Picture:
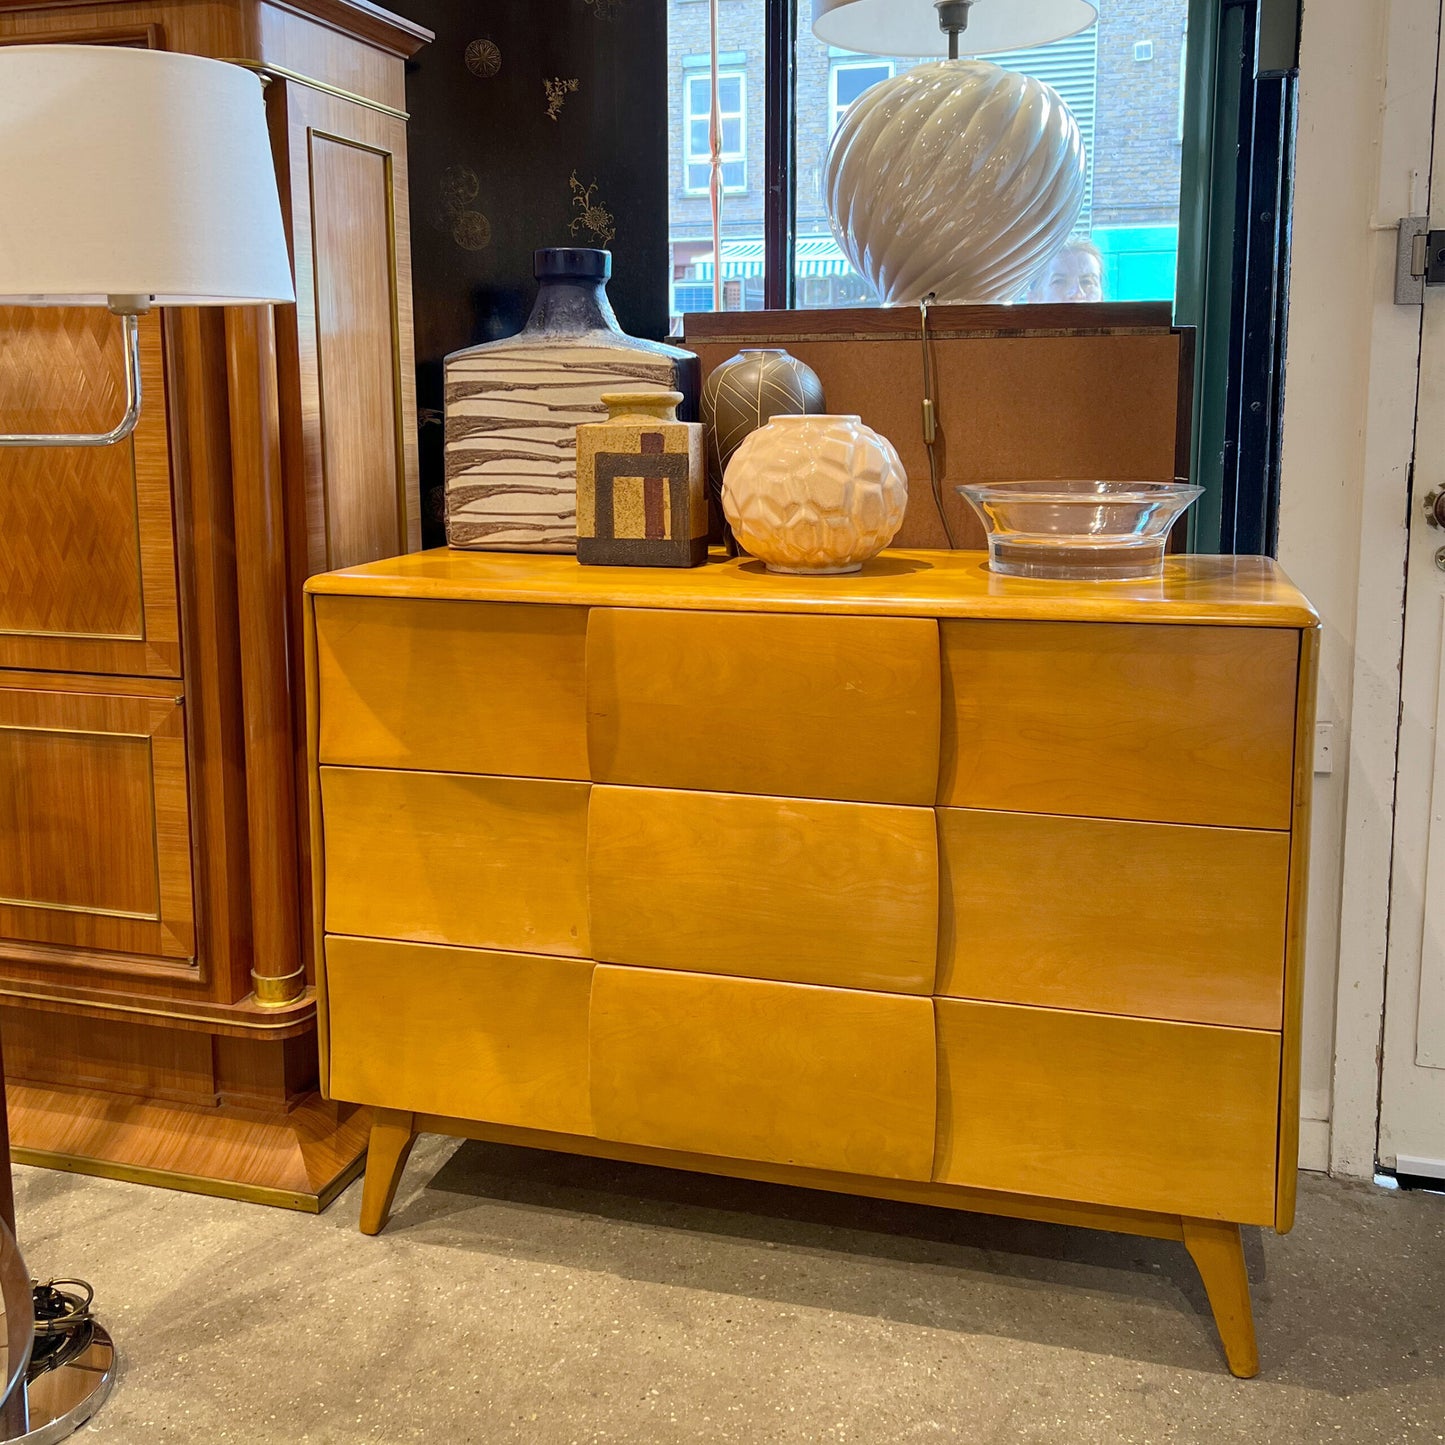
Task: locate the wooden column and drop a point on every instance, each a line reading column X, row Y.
column 278, row 974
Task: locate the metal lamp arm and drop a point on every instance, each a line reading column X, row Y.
column 130, row 313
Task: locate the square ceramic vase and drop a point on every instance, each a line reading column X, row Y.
column 641, row 485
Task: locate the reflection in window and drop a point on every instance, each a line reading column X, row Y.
column 849, row 79
column 732, row 90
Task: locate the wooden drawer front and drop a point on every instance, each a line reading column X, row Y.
column 1151, row 919
column 1133, row 1112
column 95, row 836
column 500, row 1037
column 452, row 686
column 807, row 892
column 810, row 707
column 1118, row 720
column 743, row 1069
column 444, row 858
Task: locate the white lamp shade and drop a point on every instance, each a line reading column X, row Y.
column 127, row 172
column 910, row 27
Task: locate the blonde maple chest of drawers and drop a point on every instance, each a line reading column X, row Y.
column 920, row 883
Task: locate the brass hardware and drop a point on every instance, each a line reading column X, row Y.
column 267, row 71
column 277, row 992
column 1435, row 508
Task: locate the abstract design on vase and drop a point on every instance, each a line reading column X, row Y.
column 815, row 494
column 484, row 58
column 592, row 217
column 511, row 428
column 641, row 492
column 557, row 90
column 746, row 392
column 604, row 9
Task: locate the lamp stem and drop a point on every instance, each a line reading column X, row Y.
column 952, row 18
column 130, row 324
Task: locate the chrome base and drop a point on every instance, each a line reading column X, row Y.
column 56, row 1404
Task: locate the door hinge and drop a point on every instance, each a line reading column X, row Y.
column 1419, row 260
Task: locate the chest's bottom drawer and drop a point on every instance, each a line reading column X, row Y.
column 1174, row 1117
column 749, row 1069
column 500, row 1037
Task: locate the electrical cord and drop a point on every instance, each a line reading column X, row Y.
column 64, row 1326
column 930, row 419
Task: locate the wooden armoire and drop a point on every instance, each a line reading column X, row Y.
column 156, row 990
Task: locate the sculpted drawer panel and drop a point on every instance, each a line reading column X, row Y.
column 829, row 1078
column 1156, row 920
column 801, row 706
column 1118, row 720
column 444, row 858
column 452, row 686
column 494, row 1036
column 1134, row 1112
column 807, row 892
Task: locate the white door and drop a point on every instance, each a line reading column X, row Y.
column 1412, row 1088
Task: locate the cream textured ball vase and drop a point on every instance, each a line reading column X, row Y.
column 958, row 178
column 815, row 494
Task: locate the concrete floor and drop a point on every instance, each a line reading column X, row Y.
column 526, row 1297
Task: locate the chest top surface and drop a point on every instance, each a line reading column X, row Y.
column 1209, row 590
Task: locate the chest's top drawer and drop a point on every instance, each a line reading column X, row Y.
column 810, row 707
column 456, row 687
column 1121, row 720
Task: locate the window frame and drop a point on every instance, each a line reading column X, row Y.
column 689, row 117
column 839, row 63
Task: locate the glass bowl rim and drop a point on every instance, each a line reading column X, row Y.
column 1060, row 490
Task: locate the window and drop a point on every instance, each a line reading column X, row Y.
column 849, row 79
column 732, row 92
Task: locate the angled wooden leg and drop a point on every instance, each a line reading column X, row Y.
column 1218, row 1252
column 392, row 1136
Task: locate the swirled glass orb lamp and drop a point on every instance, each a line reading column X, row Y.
column 957, row 179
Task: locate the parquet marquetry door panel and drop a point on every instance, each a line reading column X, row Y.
column 87, row 552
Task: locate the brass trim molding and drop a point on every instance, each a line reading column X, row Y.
column 193, row 1183
column 18, row 996
column 268, row 71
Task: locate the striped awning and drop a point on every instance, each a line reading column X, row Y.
column 815, row 256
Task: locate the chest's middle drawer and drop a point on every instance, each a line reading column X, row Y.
column 497, row 863
column 844, row 894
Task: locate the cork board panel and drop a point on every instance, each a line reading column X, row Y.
column 1010, row 407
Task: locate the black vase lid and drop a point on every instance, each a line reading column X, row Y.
column 572, row 263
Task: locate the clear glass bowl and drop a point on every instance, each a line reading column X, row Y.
column 1080, row 531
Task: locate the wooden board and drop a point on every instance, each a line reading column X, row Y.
column 1158, row 1116
column 827, row 1078
column 1162, row 724
column 839, row 707
column 450, row 687
column 1150, row 919
column 446, row 858
column 807, row 892
column 496, row 1036
column 1228, row 591
column 1022, row 391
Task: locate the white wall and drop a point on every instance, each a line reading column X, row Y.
column 1367, row 89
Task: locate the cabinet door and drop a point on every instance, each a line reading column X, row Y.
column 95, row 844
column 87, row 558
column 348, row 390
